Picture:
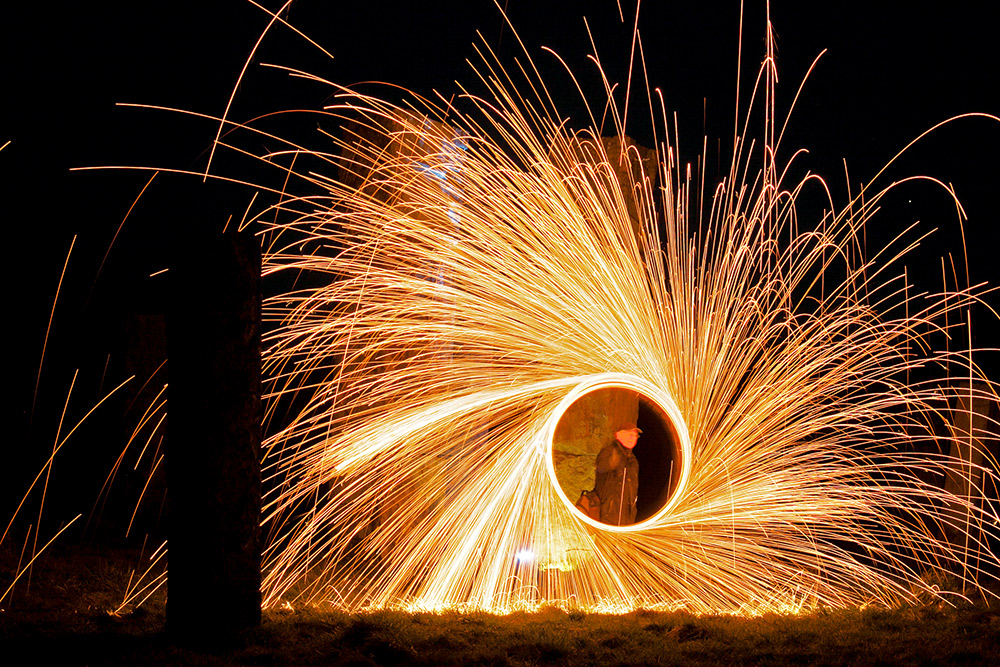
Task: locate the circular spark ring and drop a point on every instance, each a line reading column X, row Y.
column 468, row 275
column 661, row 399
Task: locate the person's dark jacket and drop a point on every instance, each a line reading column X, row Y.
column 616, row 481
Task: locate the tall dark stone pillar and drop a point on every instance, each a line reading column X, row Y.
column 974, row 412
column 213, row 462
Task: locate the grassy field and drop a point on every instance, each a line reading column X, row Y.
column 64, row 619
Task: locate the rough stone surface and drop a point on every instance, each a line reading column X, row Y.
column 585, row 428
column 972, row 441
column 640, row 161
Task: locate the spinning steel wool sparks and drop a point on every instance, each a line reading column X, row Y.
column 477, row 267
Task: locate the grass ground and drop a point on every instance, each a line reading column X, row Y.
column 64, row 619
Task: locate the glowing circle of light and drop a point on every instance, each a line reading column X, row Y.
column 662, row 400
column 452, row 277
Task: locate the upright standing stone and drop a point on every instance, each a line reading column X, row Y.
column 213, row 462
column 974, row 411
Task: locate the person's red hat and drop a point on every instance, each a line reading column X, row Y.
column 628, row 441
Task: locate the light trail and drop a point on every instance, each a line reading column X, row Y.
column 472, row 267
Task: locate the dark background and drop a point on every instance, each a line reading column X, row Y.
column 889, row 73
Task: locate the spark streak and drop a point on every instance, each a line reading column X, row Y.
column 470, row 268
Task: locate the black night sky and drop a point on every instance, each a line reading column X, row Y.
column 889, row 73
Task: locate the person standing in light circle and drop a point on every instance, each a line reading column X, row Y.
column 616, row 477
